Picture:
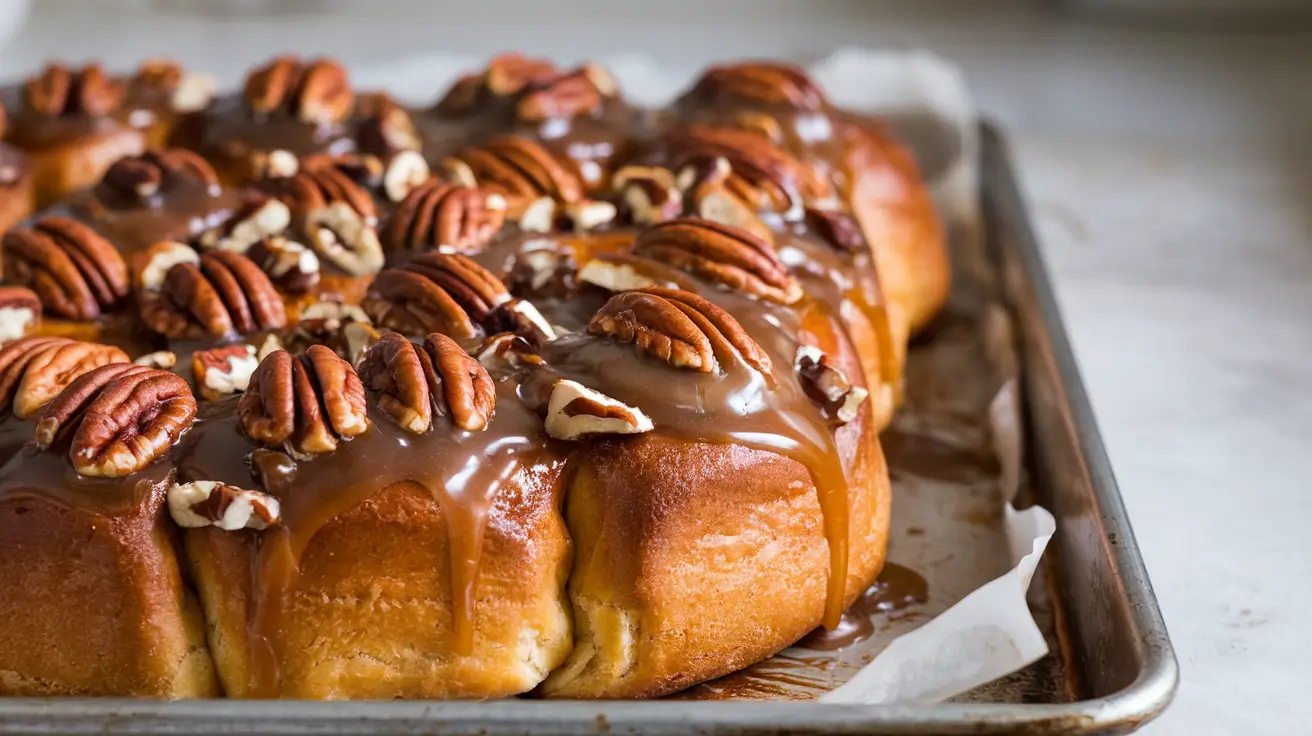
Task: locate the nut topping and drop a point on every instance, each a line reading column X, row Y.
column 839, row 229
column 771, row 83
column 437, row 214
column 162, row 359
column 60, row 91
column 576, row 411
column 768, row 178
column 417, row 382
column 828, row 386
column 220, row 372
column 52, row 369
column 258, row 218
column 20, row 311
column 508, row 74
column 138, row 179
column 519, row 168
column 405, row 172
column 77, row 274
column 118, row 418
column 564, row 97
column 317, row 92
column 522, row 319
column 205, row 503
column 616, row 272
column 304, row 404
column 435, row 292
column 386, row 129
column 336, row 213
column 219, row 294
column 729, row 256
column 290, row 266
column 680, row 328
column 649, row 192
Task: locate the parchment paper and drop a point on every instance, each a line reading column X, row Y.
column 954, row 450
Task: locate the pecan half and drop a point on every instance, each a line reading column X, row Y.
column 416, row 383
column 438, row 213
column 519, row 168
column 223, row 371
column 140, row 179
column 435, row 292
column 203, row 503
column 576, row 411
column 724, row 255
column 839, row 229
column 51, row 370
column 509, row 74
column 14, row 359
column 317, row 92
column 20, row 312
column 772, row 83
column 764, row 175
column 61, row 91
column 680, row 328
column 78, row 274
column 220, row 294
column 120, row 417
column 304, row 404
column 566, row 96
column 827, row 385
column 386, row 129
column 649, row 193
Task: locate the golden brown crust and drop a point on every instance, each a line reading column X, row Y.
column 96, row 606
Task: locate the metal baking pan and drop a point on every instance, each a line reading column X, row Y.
column 1116, row 660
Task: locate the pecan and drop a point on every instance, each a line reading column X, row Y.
column 290, row 266
column 713, row 199
column 764, row 175
column 385, row 127
column 405, row 172
column 649, row 193
column 507, row 352
column 839, row 229
column 16, row 356
column 20, row 311
column 566, row 96
column 519, row 168
column 616, row 272
column 543, row 268
column 203, row 503
column 336, row 213
column 680, row 328
column 416, row 383
column 161, row 359
column 138, row 179
column 120, row 418
column 827, row 386
column 576, row 411
column 586, row 214
column 220, row 372
column 725, row 255
column 304, row 404
column 509, row 74
column 78, row 274
column 60, row 91
column 435, row 292
column 219, row 294
column 317, row 92
column 772, row 83
column 343, row 328
column 437, row 214
column 254, row 220
column 520, row 318
column 51, row 370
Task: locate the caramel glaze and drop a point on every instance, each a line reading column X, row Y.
column 462, row 470
column 897, row 588
column 228, row 131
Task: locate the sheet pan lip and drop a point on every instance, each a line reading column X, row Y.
column 1139, row 702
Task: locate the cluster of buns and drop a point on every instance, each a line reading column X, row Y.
column 307, row 394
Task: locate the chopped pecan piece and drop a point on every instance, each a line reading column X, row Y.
column 220, row 293
column 317, row 92
column 521, row 318
column 304, row 404
column 139, row 179
column 566, row 96
column 435, row 292
column 837, row 228
column 118, row 418
column 188, row 91
column 257, row 218
column 20, row 311
column 416, row 383
column 506, row 351
column 679, row 328
column 220, row 372
column 509, row 74
column 336, row 213
column 649, row 193
column 386, row 129
column 438, row 213
column 768, row 178
column 518, row 168
column 162, row 359
column 576, row 411
column 203, row 503
column 772, row 83
column 725, row 255
column 292, row 267
column 61, row 91
column 76, row 273
column 828, row 386
column 616, row 272
column 405, row 172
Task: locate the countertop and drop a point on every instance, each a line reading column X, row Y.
column 1168, row 171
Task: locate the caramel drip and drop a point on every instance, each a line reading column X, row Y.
column 898, row 588
column 462, row 470
column 50, row 477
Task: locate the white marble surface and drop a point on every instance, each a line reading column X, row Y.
column 1168, row 173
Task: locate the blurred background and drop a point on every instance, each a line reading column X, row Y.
column 1165, row 149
